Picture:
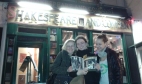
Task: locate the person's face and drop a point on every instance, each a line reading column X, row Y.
column 100, row 44
column 81, row 44
column 70, row 47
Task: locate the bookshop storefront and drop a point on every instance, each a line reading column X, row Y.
column 40, row 35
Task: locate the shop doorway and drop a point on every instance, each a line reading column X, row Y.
column 34, row 69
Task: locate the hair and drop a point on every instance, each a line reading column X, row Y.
column 81, row 37
column 103, row 37
column 65, row 43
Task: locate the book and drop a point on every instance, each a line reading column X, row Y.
column 9, row 59
column 53, row 37
column 88, row 62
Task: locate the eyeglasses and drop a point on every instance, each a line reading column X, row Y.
column 70, row 46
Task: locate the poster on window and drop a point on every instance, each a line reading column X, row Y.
column 21, row 79
column 22, row 57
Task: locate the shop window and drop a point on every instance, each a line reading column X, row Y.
column 29, row 74
column 66, row 35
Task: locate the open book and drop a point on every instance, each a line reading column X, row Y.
column 79, row 62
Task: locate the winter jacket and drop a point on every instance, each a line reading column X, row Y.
column 114, row 67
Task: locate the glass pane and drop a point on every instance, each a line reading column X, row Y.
column 53, row 37
column 32, row 74
column 52, row 51
column 115, row 43
column 139, row 58
column 53, row 31
column 66, row 35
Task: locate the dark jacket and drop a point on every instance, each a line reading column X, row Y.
column 61, row 63
column 114, row 69
column 92, row 77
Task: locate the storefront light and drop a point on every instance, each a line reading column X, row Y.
column 111, row 16
column 76, row 11
column 33, row 5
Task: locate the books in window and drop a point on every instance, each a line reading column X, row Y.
column 52, row 37
column 79, row 62
column 53, row 45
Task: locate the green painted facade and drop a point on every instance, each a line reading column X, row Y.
column 44, row 48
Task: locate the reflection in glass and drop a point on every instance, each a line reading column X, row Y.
column 66, row 35
column 21, row 77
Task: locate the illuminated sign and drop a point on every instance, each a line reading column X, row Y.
column 60, row 19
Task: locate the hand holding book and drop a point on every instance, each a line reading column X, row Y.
column 82, row 71
column 97, row 66
column 70, row 69
column 88, row 62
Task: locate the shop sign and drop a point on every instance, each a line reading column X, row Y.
column 66, row 20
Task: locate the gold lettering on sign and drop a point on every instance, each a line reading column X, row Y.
column 67, row 20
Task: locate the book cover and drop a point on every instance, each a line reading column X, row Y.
column 76, row 62
column 88, row 62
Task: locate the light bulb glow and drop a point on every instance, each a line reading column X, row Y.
column 112, row 16
column 76, row 11
column 34, row 5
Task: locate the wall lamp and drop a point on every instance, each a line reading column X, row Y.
column 33, row 5
column 111, row 16
column 75, row 11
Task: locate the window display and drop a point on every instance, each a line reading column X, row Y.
column 66, row 35
column 21, row 76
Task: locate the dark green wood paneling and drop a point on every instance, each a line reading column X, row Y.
column 12, row 28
